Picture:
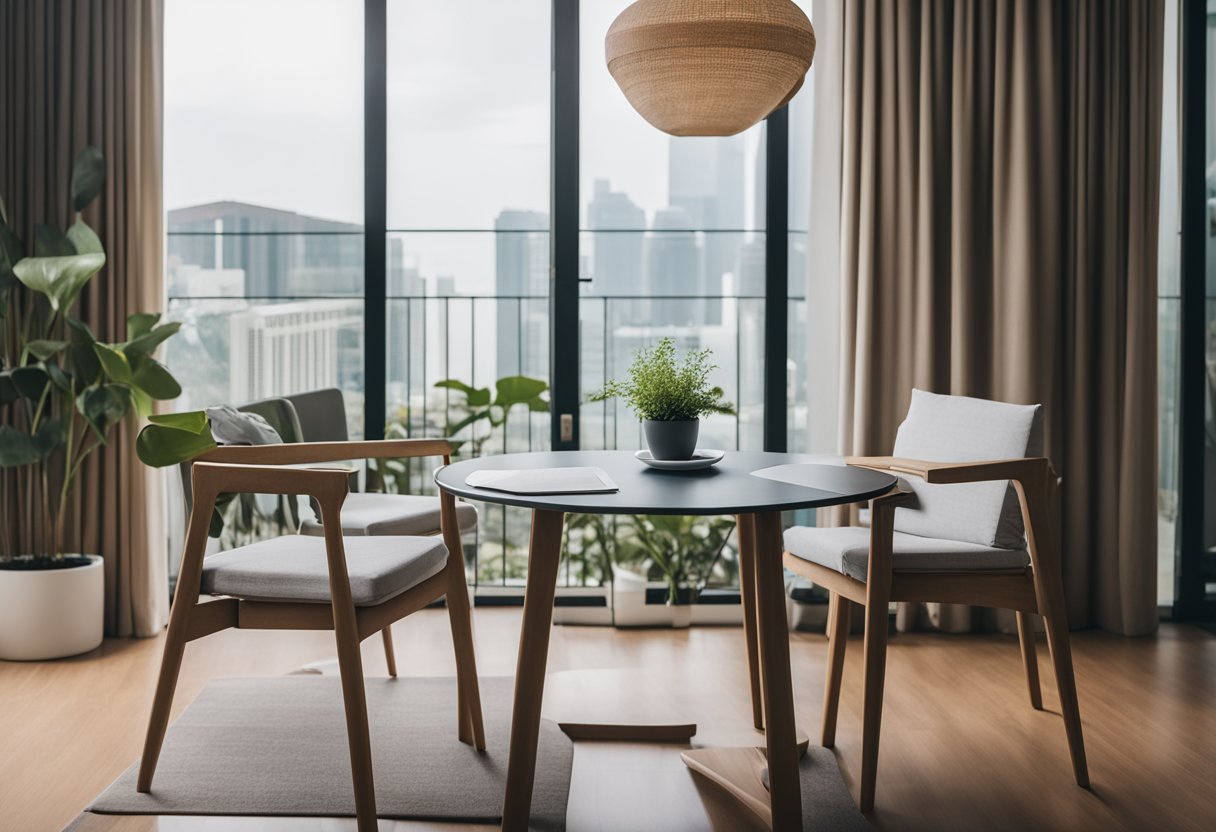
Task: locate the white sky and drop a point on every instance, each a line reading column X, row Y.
column 264, row 104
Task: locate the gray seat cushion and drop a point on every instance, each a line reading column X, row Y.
column 295, row 568
column 962, row 429
column 381, row 514
column 847, row 550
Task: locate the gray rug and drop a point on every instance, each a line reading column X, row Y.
column 278, row 746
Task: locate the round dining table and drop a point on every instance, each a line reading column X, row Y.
column 753, row 486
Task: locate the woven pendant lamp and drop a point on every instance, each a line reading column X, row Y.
column 709, row 67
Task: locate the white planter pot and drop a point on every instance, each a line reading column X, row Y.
column 51, row 613
column 629, row 607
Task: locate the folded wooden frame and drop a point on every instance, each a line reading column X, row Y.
column 264, row 469
column 1037, row 589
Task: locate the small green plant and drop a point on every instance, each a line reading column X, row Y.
column 62, row 391
column 662, row 389
column 477, row 407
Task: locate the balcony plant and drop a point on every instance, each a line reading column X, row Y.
column 669, row 396
column 62, row 394
column 683, row 552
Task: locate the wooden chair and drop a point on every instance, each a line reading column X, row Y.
column 933, row 539
column 355, row 586
column 320, row 416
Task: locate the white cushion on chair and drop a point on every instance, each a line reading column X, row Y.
column 962, row 429
column 847, row 550
column 295, row 568
column 392, row 514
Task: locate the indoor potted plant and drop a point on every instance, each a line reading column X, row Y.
column 670, row 397
column 62, row 392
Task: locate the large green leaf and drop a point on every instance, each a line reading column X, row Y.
column 8, row 390
column 30, row 381
column 194, row 421
column 147, row 343
column 58, row 376
column 49, row 438
column 44, row 349
column 114, row 362
column 84, row 239
column 152, row 377
column 173, row 441
column 59, row 278
column 88, row 175
column 104, row 406
column 81, row 332
column 49, row 241
column 514, row 390
column 474, row 396
column 83, row 364
column 16, row 448
column 140, row 323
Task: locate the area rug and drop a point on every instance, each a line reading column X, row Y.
column 277, row 746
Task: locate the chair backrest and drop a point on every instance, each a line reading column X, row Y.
column 962, row 429
column 322, row 415
column 278, row 412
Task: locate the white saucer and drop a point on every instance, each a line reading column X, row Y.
column 701, row 458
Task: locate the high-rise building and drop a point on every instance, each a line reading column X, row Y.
column 673, row 268
column 705, row 178
column 284, row 348
column 521, row 279
column 283, row 253
column 616, row 266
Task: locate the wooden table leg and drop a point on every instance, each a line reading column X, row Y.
column 780, row 734
column 544, row 552
column 747, row 592
column 740, row 771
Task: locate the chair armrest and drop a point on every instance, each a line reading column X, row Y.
column 1020, row 469
column 295, row 453
column 210, row 479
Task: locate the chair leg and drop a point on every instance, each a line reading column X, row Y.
column 350, row 665
column 470, row 727
column 1030, row 661
column 875, row 674
column 1061, row 659
column 162, row 701
column 839, row 617
column 389, row 656
column 747, row 591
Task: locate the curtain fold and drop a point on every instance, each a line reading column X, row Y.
column 74, row 74
column 999, row 199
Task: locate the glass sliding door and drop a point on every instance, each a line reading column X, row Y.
column 468, row 237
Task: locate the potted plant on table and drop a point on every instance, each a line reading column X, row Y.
column 62, row 393
column 670, row 397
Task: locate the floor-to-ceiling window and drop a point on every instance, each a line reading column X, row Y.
column 270, row 261
column 264, row 198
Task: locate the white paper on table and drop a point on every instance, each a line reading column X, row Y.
column 582, row 480
column 829, row 475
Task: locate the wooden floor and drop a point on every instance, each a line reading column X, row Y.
column 961, row 749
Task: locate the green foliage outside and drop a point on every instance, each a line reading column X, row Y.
column 662, row 389
column 63, row 391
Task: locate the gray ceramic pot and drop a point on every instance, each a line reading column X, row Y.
column 671, row 440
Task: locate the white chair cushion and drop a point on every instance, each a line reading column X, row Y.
column 847, row 550
column 392, row 514
column 295, row 568
column 961, row 429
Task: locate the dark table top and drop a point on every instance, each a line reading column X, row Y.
column 726, row 488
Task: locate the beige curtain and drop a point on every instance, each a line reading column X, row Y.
column 1000, row 165
column 73, row 74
